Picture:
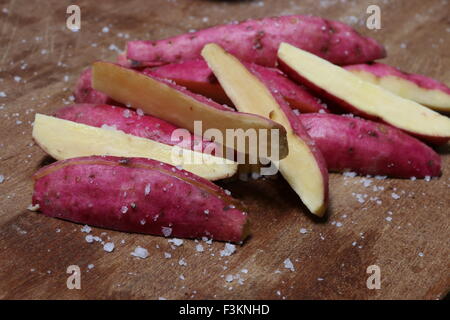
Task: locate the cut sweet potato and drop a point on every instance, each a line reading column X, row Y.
column 196, row 76
column 63, row 139
column 367, row 147
column 304, row 168
column 131, row 122
column 416, row 87
column 362, row 97
column 258, row 40
column 138, row 195
column 165, row 100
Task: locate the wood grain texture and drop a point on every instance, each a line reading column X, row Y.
column 330, row 259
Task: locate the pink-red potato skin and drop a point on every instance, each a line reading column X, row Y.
column 368, row 147
column 196, row 76
column 258, row 40
column 347, row 106
column 381, row 70
column 110, row 192
column 128, row 121
column 84, row 93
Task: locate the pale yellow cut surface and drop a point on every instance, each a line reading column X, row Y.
column 365, row 96
column 160, row 100
column 433, row 99
column 248, row 94
column 64, row 139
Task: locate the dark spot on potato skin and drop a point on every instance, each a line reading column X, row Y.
column 352, row 125
column 351, row 150
column 92, row 176
column 430, row 163
column 372, row 133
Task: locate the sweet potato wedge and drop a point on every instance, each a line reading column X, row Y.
column 63, row 139
column 129, row 121
column 304, row 168
column 362, row 97
column 416, row 87
column 258, row 40
column 196, row 76
column 168, row 101
column 367, row 147
column 138, row 195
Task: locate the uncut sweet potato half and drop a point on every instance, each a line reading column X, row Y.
column 258, row 40
column 138, row 195
column 367, row 147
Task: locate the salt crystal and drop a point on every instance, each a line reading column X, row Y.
column 182, row 262
column 162, row 298
column 229, row 278
column 421, row 254
column 90, row 266
column 124, row 209
column 140, row 253
column 167, row 255
column 244, row 270
column 107, row 127
column 303, row 231
column 105, row 30
column 288, row 264
column 140, row 112
column 395, row 196
column 228, row 250
column 147, row 189
column 349, row 174
column 2, row 94
column 182, row 277
column 86, row 229
column 389, row 219
column 17, row 79
column 126, row 113
column 166, row 231
column 175, row 241
column 31, row 207
column 427, row 178
column 199, row 248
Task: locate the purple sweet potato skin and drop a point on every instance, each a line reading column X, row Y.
column 368, row 147
column 110, row 192
column 382, row 70
column 258, row 40
column 84, row 93
column 128, row 121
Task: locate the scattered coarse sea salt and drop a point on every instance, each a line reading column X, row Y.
column 228, row 250
column 288, row 264
column 303, row 231
column 86, row 229
column 33, row 208
column 199, row 248
column 175, row 241
column 108, row 247
column 147, row 189
column 140, row 252
column 166, row 231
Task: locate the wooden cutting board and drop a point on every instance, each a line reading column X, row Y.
column 408, row 238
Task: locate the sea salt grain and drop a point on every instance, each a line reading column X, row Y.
column 303, row 231
column 199, row 248
column 2, row 94
column 86, row 229
column 395, row 196
column 421, row 254
column 229, row 278
column 90, row 266
column 167, row 255
column 33, row 208
column 175, row 241
column 288, row 264
column 182, row 262
column 108, row 247
column 140, row 252
column 147, row 189
column 2, row 178
column 166, row 231
column 105, row 30
column 228, row 250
